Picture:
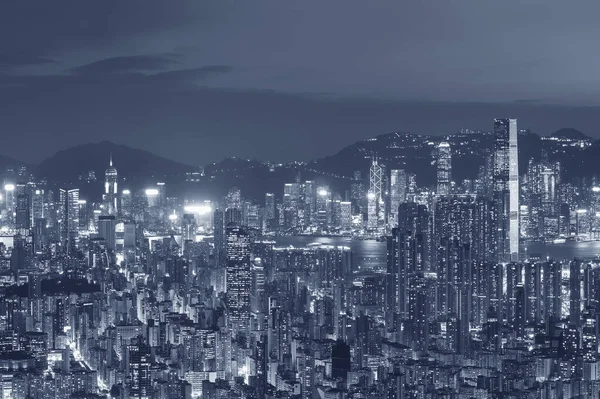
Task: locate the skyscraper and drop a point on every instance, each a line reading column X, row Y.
column 357, row 192
column 234, row 199
column 233, row 216
column 129, row 235
column 61, row 216
column 323, row 203
column 73, row 215
column 444, row 168
column 162, row 194
column 126, row 208
column 309, row 202
column 84, row 219
column 340, row 359
column 188, row 227
column 20, row 256
column 10, row 200
column 291, row 196
column 398, row 185
column 40, row 235
column 22, row 217
column 346, row 214
column 506, row 187
column 269, row 206
column 37, row 205
column 375, row 195
column 371, row 211
column 239, row 277
column 406, row 255
column 138, row 363
column 219, row 235
column 376, row 178
column 106, row 230
column 110, row 189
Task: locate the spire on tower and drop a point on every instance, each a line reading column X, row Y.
column 110, row 163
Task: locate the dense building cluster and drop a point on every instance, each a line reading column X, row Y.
column 142, row 295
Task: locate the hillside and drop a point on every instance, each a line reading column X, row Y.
column 67, row 166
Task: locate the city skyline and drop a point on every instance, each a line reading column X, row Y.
column 13, row 161
column 155, row 292
column 299, row 200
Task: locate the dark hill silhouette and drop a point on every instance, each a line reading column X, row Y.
column 68, row 165
column 7, row 162
column 396, row 150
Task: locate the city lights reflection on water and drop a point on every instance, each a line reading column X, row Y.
column 367, row 255
column 370, row 255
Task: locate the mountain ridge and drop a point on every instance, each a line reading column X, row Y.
column 396, row 150
column 570, row 134
column 132, row 163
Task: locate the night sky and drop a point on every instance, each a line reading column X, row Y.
column 197, row 80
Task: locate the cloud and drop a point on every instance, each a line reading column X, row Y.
column 128, row 64
column 9, row 61
column 145, row 69
column 147, row 72
column 62, row 26
column 191, row 74
column 529, row 101
column 404, row 49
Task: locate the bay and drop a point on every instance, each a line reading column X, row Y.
column 367, row 255
column 370, row 255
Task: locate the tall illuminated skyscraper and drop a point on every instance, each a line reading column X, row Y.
column 139, row 364
column 376, row 178
column 346, row 214
column 61, row 216
column 233, row 199
column 239, row 277
column 110, row 188
column 371, row 210
column 10, row 199
column 73, row 215
column 162, row 194
column 398, row 185
column 323, row 202
column 375, row 196
column 444, row 168
column 269, row 206
column 84, row 215
column 37, row 205
column 126, row 207
column 291, row 196
column 506, row 187
column 188, row 227
column 309, row 202
column 22, row 216
column 219, row 236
